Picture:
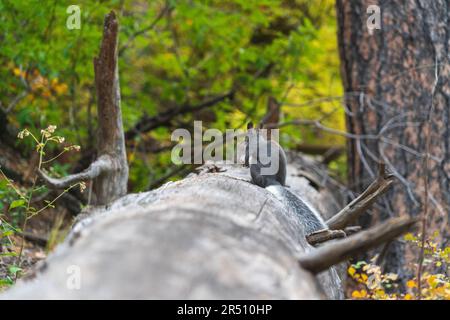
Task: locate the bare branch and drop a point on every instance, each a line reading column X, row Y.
column 133, row 36
column 35, row 238
column 102, row 164
column 148, row 123
column 22, row 94
column 182, row 170
column 16, row 100
column 378, row 137
column 328, row 152
column 360, row 204
column 352, row 230
column 324, row 235
column 317, row 149
column 340, row 250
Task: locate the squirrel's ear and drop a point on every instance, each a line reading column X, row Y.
column 250, row 125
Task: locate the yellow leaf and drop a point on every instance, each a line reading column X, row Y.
column 408, row 296
column 380, row 292
column 16, row 71
column 411, row 284
column 359, row 294
column 61, row 88
column 409, row 237
column 351, row 271
column 432, row 281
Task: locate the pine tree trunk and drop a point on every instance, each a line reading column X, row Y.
column 397, row 84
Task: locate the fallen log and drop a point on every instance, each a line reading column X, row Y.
column 213, row 235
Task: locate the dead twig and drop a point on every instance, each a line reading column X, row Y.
column 352, row 230
column 324, row 235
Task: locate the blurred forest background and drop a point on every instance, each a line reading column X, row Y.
column 235, row 54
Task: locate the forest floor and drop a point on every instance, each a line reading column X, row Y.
column 43, row 232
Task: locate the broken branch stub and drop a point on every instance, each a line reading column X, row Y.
column 111, row 184
column 110, row 171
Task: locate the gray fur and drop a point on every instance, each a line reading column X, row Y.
column 256, row 142
column 311, row 220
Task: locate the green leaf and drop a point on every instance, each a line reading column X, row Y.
column 14, row 269
column 6, row 282
column 3, row 184
column 7, row 233
column 8, row 254
column 17, row 203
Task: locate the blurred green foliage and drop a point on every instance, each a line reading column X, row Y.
column 173, row 52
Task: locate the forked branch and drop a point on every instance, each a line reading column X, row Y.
column 360, row 204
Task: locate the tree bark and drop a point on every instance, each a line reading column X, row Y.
column 213, row 235
column 401, row 76
column 112, row 184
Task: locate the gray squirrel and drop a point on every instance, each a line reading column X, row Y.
column 258, row 147
column 259, row 155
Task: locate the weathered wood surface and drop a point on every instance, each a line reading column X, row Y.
column 212, row 236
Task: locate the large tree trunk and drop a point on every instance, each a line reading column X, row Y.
column 397, row 81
